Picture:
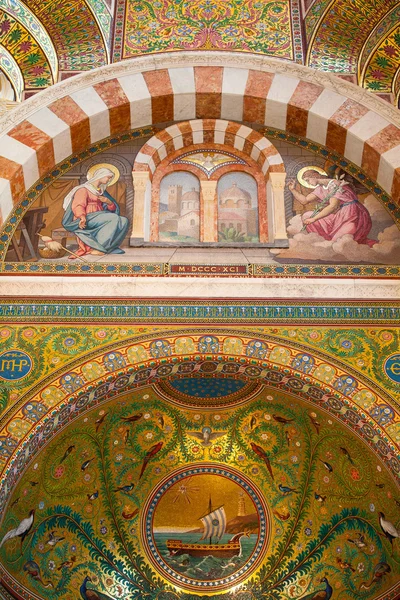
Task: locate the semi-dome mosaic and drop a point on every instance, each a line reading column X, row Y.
column 128, row 474
column 138, row 498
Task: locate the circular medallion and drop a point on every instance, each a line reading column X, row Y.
column 205, row 527
column 392, row 367
column 14, row 364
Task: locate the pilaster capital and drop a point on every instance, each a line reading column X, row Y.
column 277, row 180
column 140, row 179
column 208, row 189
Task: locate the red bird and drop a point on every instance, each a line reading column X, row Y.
column 131, row 515
column 152, row 452
column 263, row 455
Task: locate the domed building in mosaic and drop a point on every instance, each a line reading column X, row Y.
column 199, row 300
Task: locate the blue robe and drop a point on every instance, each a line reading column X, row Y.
column 104, row 231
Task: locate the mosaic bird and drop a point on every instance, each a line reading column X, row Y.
column 15, row 501
column 93, row 496
column 287, row 490
column 263, row 455
column 53, row 539
column 150, row 454
column 281, row 516
column 381, row 569
column 327, row 465
column 33, row 483
column 130, row 515
column 380, row 485
column 389, row 530
column 125, row 488
column 85, row 464
column 67, row 564
column 88, row 594
column 21, row 530
column 126, row 436
column 346, row 453
column 344, row 565
column 253, row 422
column 319, row 498
column 324, row 594
column 133, row 418
column 282, row 420
column 397, row 502
column 33, row 569
column 160, row 421
column 359, row 541
column 316, row 424
column 100, row 421
column 206, row 436
column 67, row 453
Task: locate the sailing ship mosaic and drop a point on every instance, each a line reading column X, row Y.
column 141, row 498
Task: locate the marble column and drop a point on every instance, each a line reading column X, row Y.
column 140, row 180
column 209, row 213
column 276, row 202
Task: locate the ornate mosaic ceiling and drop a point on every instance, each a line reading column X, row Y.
column 45, row 38
column 245, row 25
column 167, row 461
column 358, row 40
column 355, row 38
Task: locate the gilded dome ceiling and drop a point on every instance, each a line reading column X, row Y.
column 202, row 461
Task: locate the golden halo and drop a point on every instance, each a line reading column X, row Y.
column 304, row 170
column 112, row 168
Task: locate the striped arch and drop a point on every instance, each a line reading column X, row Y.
column 211, row 131
column 67, row 118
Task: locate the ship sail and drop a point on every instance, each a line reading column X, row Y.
column 214, row 524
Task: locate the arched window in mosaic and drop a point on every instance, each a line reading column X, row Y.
column 237, row 208
column 179, row 208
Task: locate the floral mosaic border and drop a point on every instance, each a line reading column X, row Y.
column 15, row 310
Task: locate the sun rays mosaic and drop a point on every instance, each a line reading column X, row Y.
column 169, row 464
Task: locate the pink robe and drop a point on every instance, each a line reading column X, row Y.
column 351, row 217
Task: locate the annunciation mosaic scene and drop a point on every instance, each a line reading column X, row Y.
column 206, row 196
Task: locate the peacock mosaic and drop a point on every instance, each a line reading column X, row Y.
column 240, row 462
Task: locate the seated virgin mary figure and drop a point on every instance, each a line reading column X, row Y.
column 93, row 215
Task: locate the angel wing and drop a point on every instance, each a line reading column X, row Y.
column 217, row 434
column 196, row 434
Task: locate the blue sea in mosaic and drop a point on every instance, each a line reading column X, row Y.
column 204, row 568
